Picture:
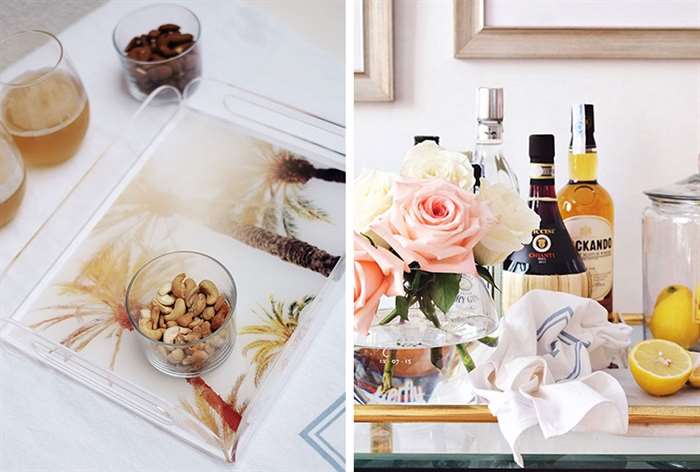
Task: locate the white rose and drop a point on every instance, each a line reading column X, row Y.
column 427, row 160
column 512, row 225
column 372, row 197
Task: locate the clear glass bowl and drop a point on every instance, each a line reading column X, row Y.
column 143, row 77
column 406, row 361
column 144, row 286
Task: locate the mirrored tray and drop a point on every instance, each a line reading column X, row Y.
column 253, row 183
column 682, row 408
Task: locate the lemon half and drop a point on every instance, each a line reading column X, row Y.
column 694, row 378
column 660, row 367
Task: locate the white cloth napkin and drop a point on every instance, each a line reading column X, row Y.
column 543, row 370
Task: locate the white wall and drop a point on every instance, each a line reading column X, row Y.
column 647, row 117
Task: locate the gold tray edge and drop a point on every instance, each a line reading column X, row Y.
column 638, row 414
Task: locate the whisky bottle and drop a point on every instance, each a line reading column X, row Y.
column 550, row 261
column 587, row 208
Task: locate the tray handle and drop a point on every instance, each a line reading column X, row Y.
column 104, row 382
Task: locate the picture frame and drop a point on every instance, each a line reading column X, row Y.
column 374, row 76
column 475, row 39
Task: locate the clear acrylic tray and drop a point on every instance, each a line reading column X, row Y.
column 186, row 168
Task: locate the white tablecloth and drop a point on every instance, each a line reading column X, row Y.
column 49, row 423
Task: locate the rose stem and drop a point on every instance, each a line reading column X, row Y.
column 387, row 377
column 466, row 357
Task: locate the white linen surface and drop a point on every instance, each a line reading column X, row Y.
column 546, row 369
column 49, row 423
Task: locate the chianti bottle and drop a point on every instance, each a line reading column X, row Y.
column 550, row 261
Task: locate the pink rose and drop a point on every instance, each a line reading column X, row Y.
column 377, row 272
column 434, row 223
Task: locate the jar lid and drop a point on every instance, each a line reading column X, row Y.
column 686, row 190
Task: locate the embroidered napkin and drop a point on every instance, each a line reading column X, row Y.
column 545, row 370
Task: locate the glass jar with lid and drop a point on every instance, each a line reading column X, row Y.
column 671, row 263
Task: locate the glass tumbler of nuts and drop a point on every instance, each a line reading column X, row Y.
column 158, row 45
column 182, row 304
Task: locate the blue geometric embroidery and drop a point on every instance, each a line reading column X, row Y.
column 564, row 314
column 313, row 434
column 573, row 338
column 577, row 363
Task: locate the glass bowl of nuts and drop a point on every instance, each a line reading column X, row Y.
column 158, row 45
column 182, row 304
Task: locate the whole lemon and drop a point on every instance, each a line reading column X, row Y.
column 674, row 316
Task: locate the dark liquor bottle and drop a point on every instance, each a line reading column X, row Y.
column 550, row 261
column 421, row 138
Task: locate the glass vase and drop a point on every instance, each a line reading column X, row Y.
column 404, row 361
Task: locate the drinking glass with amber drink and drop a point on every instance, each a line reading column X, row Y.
column 43, row 103
column 11, row 178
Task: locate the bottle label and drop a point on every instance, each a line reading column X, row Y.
column 593, row 239
column 541, row 171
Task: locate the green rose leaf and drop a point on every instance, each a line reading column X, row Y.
column 444, row 290
column 486, row 275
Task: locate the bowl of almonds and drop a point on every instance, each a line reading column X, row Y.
column 182, row 304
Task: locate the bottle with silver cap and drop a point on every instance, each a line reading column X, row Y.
column 489, row 156
column 489, row 153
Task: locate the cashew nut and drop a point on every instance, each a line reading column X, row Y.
column 218, row 320
column 190, row 288
column 208, row 313
column 208, row 288
column 188, row 338
column 178, row 285
column 155, row 315
column 164, row 289
column 185, row 319
column 219, row 302
column 203, row 329
column 145, row 328
column 145, row 314
column 176, row 356
column 197, row 357
column 166, row 300
column 178, row 310
column 162, row 308
column 196, row 322
column 170, row 333
column 199, row 305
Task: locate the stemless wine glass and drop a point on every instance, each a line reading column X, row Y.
column 11, row 178
column 43, row 104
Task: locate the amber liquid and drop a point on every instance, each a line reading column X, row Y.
column 48, row 119
column 583, row 196
column 11, row 188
